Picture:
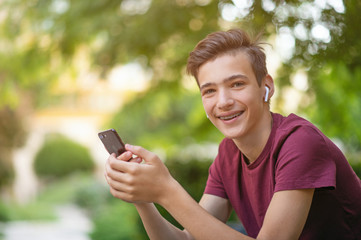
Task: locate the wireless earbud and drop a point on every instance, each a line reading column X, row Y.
column 267, row 93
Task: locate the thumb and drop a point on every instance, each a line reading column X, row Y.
column 148, row 156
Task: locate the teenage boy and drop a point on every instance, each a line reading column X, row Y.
column 281, row 175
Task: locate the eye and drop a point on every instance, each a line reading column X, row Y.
column 208, row 91
column 237, row 84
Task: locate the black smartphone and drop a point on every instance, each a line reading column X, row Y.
column 112, row 142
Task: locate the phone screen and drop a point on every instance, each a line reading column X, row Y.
column 112, row 142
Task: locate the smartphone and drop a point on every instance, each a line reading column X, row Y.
column 112, row 142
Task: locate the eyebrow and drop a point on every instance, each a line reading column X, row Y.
column 228, row 79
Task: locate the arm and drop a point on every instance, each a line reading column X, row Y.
column 287, row 214
column 159, row 228
column 285, row 217
column 151, row 182
column 156, row 226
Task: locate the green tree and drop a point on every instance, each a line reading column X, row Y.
column 39, row 39
column 333, row 69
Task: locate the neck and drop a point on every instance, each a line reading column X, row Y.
column 253, row 144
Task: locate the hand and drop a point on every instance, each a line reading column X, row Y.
column 133, row 182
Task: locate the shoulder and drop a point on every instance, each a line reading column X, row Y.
column 304, row 156
column 291, row 122
column 298, row 131
column 297, row 137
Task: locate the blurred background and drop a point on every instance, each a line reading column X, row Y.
column 69, row 69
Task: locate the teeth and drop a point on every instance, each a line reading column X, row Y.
column 230, row 117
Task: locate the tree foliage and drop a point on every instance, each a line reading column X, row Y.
column 333, row 70
column 167, row 117
column 39, row 40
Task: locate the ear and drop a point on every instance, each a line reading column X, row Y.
column 268, row 82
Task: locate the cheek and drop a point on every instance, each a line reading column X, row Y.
column 207, row 105
column 204, row 102
column 252, row 98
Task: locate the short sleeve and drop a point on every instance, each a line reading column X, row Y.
column 305, row 161
column 214, row 183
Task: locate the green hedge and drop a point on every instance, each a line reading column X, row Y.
column 61, row 157
column 4, row 212
column 117, row 221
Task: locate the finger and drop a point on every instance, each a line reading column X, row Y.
column 114, row 163
column 118, row 185
column 106, row 177
column 118, row 168
column 122, row 191
column 136, row 160
column 126, row 156
column 107, row 162
column 114, row 173
column 142, row 153
column 122, row 195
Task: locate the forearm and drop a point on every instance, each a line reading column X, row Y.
column 152, row 182
column 195, row 219
column 156, row 226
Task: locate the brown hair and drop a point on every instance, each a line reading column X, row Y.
column 229, row 42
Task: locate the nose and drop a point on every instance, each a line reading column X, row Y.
column 225, row 100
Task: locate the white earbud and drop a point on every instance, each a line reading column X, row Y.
column 267, row 93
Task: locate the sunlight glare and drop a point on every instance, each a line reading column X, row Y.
column 321, row 33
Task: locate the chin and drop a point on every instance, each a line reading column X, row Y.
column 233, row 135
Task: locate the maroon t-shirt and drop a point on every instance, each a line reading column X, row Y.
column 296, row 156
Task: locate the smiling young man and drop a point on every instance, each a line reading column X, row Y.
column 281, row 175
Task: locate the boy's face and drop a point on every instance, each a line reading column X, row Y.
column 231, row 96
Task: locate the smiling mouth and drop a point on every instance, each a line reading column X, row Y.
column 230, row 116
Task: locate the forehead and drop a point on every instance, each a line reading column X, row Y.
column 224, row 66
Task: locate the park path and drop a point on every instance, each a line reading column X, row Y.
column 72, row 224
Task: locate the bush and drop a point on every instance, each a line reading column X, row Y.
column 354, row 158
column 61, row 157
column 4, row 213
column 93, row 196
column 357, row 168
column 192, row 175
column 117, row 221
